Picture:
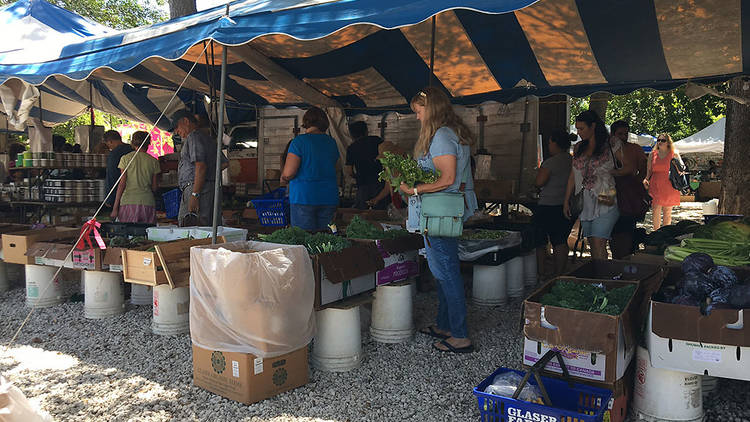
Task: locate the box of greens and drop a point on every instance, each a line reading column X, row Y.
column 595, row 323
column 342, row 268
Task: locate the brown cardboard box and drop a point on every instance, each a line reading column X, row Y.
column 245, row 378
column 16, row 244
column 355, row 265
column 610, row 340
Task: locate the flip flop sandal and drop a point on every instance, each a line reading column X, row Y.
column 430, row 331
column 452, row 349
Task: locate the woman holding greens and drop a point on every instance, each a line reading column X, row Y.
column 443, row 146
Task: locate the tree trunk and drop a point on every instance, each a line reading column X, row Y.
column 178, row 8
column 735, row 173
column 598, row 103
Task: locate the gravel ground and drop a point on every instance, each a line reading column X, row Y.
column 117, row 370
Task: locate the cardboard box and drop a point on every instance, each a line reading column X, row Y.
column 647, row 258
column 245, row 378
column 51, row 254
column 11, row 228
column 169, row 263
column 345, row 273
column 87, row 259
column 618, row 270
column 399, row 258
column 16, row 244
column 680, row 338
column 595, row 346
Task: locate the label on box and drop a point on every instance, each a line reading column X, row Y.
column 580, row 363
column 38, row 260
column 84, row 259
column 115, row 268
column 146, row 261
column 704, row 355
column 258, row 366
column 235, row 369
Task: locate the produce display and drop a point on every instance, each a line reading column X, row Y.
column 359, row 228
column 315, row 243
column 727, row 242
column 708, row 286
column 589, row 297
column 399, row 169
column 125, row 242
column 732, row 231
column 484, row 234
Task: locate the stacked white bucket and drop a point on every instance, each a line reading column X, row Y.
column 141, row 294
column 171, row 310
column 494, row 284
column 43, row 287
column 4, row 279
column 392, row 317
column 104, row 294
column 338, row 342
column 661, row 395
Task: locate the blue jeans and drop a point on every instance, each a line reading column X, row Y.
column 442, row 258
column 312, row 217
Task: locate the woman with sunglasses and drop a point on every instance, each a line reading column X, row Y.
column 657, row 180
column 444, row 145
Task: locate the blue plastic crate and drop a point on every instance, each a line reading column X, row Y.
column 576, row 403
column 172, row 202
column 273, row 208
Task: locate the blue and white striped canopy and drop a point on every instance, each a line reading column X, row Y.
column 376, row 54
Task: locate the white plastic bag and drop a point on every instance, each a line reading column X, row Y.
column 251, row 297
column 507, row 383
column 471, row 250
column 14, row 407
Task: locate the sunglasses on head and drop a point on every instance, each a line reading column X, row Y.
column 661, row 140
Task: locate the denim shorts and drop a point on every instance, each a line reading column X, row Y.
column 601, row 226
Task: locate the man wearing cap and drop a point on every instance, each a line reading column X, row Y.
column 196, row 171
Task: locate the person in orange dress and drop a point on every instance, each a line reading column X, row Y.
column 657, row 180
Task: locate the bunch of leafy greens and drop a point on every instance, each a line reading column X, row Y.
column 588, row 297
column 125, row 242
column 399, row 169
column 359, row 228
column 484, row 234
column 315, row 243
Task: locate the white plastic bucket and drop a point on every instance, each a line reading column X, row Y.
column 661, row 395
column 514, row 277
column 338, row 343
column 4, row 283
column 711, row 207
column 104, row 295
column 529, row 270
column 141, row 294
column 43, row 289
column 171, row 310
column 489, row 287
column 392, row 316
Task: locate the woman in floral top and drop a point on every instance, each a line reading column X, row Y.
column 594, row 162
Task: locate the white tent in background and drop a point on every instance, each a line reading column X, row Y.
column 710, row 139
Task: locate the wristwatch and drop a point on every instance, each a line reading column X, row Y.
column 194, row 194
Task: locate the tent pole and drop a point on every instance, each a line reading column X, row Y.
column 41, row 115
column 219, row 136
column 432, row 54
column 91, row 110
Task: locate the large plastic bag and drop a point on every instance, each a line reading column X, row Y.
column 506, row 384
column 471, row 250
column 14, row 407
column 251, row 297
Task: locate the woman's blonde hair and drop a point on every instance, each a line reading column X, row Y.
column 438, row 113
column 670, row 144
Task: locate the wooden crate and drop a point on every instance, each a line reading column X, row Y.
column 169, row 263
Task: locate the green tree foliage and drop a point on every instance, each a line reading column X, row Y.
column 653, row 112
column 118, row 14
column 67, row 129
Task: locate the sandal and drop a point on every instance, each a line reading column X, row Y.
column 430, row 331
column 453, row 349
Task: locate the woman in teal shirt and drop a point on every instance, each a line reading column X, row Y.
column 310, row 170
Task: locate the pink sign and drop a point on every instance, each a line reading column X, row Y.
column 161, row 141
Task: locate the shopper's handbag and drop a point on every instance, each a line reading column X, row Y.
column 442, row 213
column 678, row 177
column 575, row 203
column 633, row 199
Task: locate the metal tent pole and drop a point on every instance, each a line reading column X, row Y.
column 219, row 136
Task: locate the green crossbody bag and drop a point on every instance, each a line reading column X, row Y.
column 442, row 213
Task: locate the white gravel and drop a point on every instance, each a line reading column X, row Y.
column 117, row 370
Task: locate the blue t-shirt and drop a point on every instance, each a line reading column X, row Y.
column 315, row 181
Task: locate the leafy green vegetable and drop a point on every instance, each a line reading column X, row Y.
column 484, row 234
column 588, row 297
column 315, row 243
column 363, row 229
column 731, row 254
column 399, row 169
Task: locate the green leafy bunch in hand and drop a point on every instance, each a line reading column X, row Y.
column 399, row 169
